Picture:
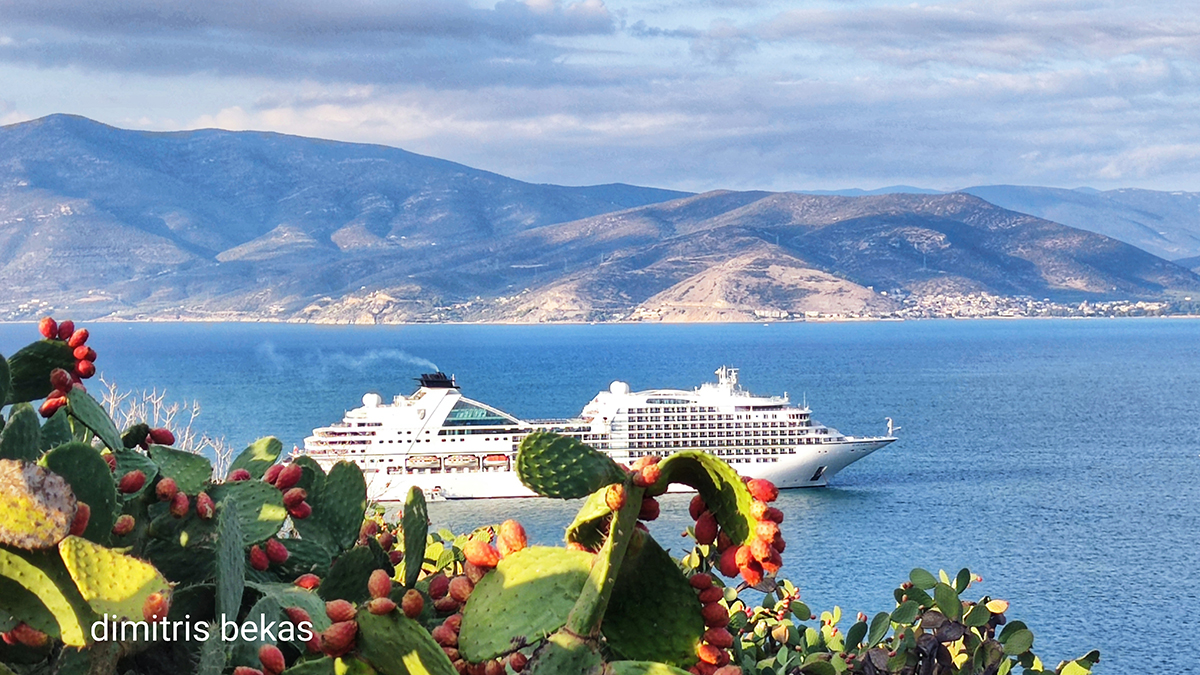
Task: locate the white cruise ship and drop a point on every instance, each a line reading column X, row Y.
column 453, row 447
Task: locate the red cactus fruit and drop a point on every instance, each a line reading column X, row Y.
column 162, row 436
column 697, row 507
column 511, row 537
column 380, row 584
column 204, row 506
column 124, row 525
column 453, row 622
column 773, row 514
column 710, row 595
column 701, row 581
column 277, row 553
column 445, row 636
column 84, row 353
column 61, row 380
column 706, row 528
column 246, row 670
column 308, row 581
column 766, row 530
column 300, row 511
column 271, row 659
column 381, row 606
column 481, row 554
column 723, row 542
column 238, row 475
column 272, row 473
column 446, row 604
column 474, row 572
column 763, row 489
column 752, row 573
column 439, row 585
column 395, row 557
column 728, row 562
column 51, row 406
column 155, row 607
column 77, row 338
column 760, row 549
column 743, row 556
column 517, row 661
column 758, row 509
column 294, row 496
column 339, row 610
column 576, row 546
column 258, row 559
column 180, row 505
column 647, row 476
column 494, row 667
column 289, row 476
column 314, row 644
column 728, row 670
column 773, row 562
column 131, row 482
column 83, row 513
column 461, row 588
column 85, row 369
column 48, row 328
column 715, row 615
column 29, row 636
column 778, row 543
column 338, row 639
column 386, row 540
column 111, row 460
column 649, row 510
column 297, row 615
column 709, row 653
column 66, row 329
column 614, row 496
column 166, row 489
column 412, row 604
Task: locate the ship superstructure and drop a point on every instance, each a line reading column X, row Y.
column 454, row 447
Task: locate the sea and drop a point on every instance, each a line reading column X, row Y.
column 1057, row 459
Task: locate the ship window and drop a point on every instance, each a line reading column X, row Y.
column 465, row 413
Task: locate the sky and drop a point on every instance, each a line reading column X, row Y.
column 734, row 94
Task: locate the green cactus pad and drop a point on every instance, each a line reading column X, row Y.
column 565, row 654
column 212, row 654
column 339, row 501
column 591, row 522
column 56, row 431
column 259, row 507
column 29, row 369
column 244, row 652
column 36, row 589
column 394, row 644
column 90, row 479
column 416, row 530
column 36, row 506
column 189, row 470
column 258, row 457
column 111, row 582
column 563, row 467
column 231, row 562
column 529, row 595
column 636, row 624
column 641, row 668
column 720, row 486
column 20, row 437
column 304, row 557
column 321, row 666
column 291, row 595
column 84, row 408
column 5, row 384
column 348, row 576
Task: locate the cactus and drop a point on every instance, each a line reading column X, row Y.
column 230, row 563
column 90, row 414
column 20, row 437
column 416, row 530
column 90, row 480
column 635, row 625
column 55, row 432
column 393, row 644
column 563, row 467
column 718, row 484
column 348, row 576
column 29, row 369
column 39, row 592
column 111, row 582
column 5, row 385
column 259, row 508
column 258, row 457
column 338, row 501
column 36, row 506
column 189, row 470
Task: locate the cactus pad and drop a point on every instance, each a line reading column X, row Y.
column 394, row 644
column 416, row 530
column 338, row 500
column 189, row 470
column 56, row 431
column 348, row 576
column 19, row 440
column 29, row 369
column 84, row 408
column 111, row 582
column 258, row 457
column 720, row 486
column 259, row 508
column 37, row 590
column 36, row 506
column 231, row 562
column 5, row 384
column 290, row 595
column 564, row 654
column 636, row 625
column 564, row 467
column 590, row 522
column 641, row 668
column 90, row 479
column 529, row 595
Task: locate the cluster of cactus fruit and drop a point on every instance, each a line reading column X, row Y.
column 99, row 527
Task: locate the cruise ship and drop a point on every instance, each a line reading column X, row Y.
column 454, row 447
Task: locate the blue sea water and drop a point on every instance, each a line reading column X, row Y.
column 1058, row 459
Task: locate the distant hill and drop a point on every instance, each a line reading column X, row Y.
column 103, row 222
column 859, row 192
column 1166, row 224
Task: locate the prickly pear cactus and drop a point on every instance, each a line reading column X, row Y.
column 564, row 467
column 189, row 470
column 394, row 644
column 416, row 530
column 36, row 506
column 29, row 369
column 258, row 457
column 720, row 486
column 259, row 508
column 338, row 502
column 111, row 582
column 20, row 437
column 635, row 624
column 38, row 591
column 91, row 481
column 88, row 412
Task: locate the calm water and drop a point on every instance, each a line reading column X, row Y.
column 1058, row 459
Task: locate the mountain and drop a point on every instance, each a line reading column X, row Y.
column 1166, row 224
column 859, row 192
column 102, row 222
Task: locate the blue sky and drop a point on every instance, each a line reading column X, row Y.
column 692, row 95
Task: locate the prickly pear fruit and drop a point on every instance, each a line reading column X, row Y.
column 338, row 639
column 474, row 572
column 85, row 369
column 743, row 556
column 773, row 562
column 511, row 537
column 83, row 353
column 445, row 636
column 697, row 507
column 381, row 606
column 289, row 476
column 131, row 482
column 380, row 584
column 752, row 573
column 155, row 607
column 79, row 523
column 761, row 550
column 715, row 616
column 614, row 496
column 29, row 636
column 728, row 670
column 446, row 604
column 162, row 436
column 308, row 581
column 166, row 489
column 297, row 615
column 339, row 610
column 461, row 588
column 272, row 659
column 706, row 528
column 439, row 586
column 649, row 510
column 246, row 670
column 51, row 406
column 481, row 554
column 238, row 475
column 395, row 557
column 718, row 637
column 300, row 511
column 412, row 603
column 124, row 525
column 701, row 581
column 61, row 380
column 272, row 473
column 294, row 496
column 258, row 559
column 709, row 654
column 77, row 338
column 711, row 594
column 277, row 553
column 179, row 505
column 111, row 460
column 773, row 514
column 763, row 490
column 66, row 329
column 48, row 328
column 517, row 661
column 766, row 530
column 778, row 543
column 386, row 540
column 728, row 562
column 204, row 506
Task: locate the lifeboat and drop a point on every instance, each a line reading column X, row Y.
column 496, row 462
column 422, row 462
column 469, row 462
